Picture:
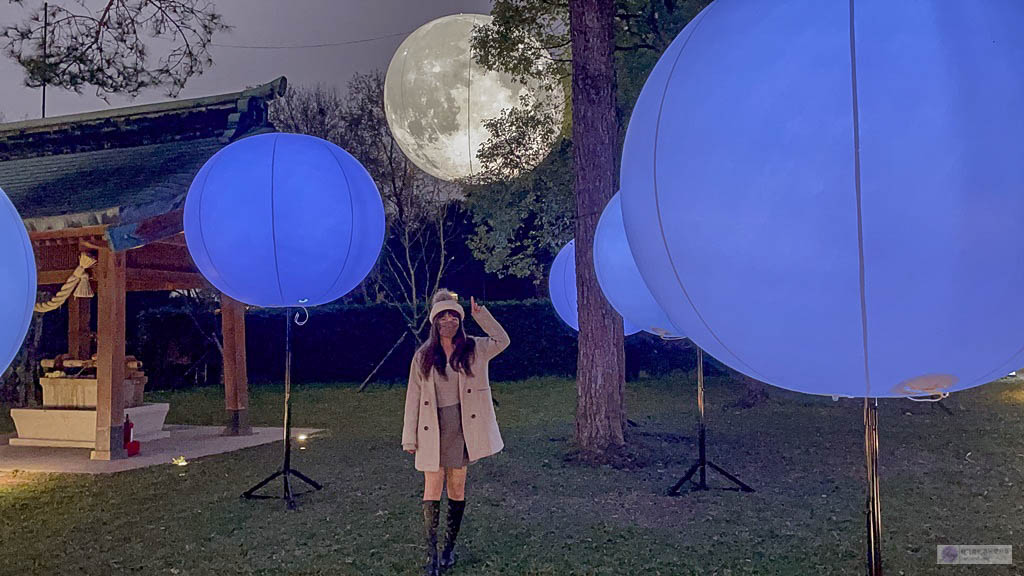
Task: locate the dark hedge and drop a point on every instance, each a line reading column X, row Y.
column 345, row 342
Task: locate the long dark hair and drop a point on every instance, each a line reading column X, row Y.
column 432, row 354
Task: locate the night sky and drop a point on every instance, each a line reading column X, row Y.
column 262, row 23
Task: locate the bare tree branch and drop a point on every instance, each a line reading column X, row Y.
column 110, row 52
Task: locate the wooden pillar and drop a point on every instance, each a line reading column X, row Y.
column 110, row 362
column 79, row 332
column 236, row 379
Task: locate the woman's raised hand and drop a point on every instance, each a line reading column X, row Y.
column 474, row 308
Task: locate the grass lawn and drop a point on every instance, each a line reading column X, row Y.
column 946, row 479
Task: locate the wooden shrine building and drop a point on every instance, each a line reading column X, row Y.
column 112, row 185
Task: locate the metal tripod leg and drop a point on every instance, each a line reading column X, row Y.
column 702, row 462
column 286, row 470
column 874, row 499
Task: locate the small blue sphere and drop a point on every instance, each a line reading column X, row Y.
column 825, row 195
column 620, row 279
column 17, row 282
column 280, row 220
column 562, row 288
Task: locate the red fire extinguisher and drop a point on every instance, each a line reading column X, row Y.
column 129, row 432
column 131, row 445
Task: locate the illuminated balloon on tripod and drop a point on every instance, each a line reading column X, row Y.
column 836, row 229
column 284, row 220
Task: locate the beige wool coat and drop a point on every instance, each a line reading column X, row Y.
column 479, row 424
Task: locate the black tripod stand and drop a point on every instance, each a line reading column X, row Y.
column 286, row 471
column 702, row 463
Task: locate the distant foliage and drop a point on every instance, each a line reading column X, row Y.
column 521, row 223
column 523, row 219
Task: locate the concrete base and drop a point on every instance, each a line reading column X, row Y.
column 116, row 443
column 77, row 428
column 237, row 423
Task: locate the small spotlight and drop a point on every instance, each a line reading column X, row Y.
column 180, row 461
column 303, row 437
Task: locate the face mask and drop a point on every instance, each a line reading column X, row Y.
column 448, row 326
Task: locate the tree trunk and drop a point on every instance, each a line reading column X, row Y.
column 600, row 380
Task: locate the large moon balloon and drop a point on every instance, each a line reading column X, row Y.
column 826, row 195
column 437, row 98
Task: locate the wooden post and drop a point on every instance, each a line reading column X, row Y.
column 79, row 332
column 236, row 380
column 110, row 362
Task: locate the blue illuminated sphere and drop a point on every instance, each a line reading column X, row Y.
column 280, row 220
column 562, row 288
column 17, row 282
column 831, row 228
column 620, row 279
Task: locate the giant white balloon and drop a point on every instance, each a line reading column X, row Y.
column 280, row 220
column 437, row 98
column 831, row 216
column 17, row 282
column 562, row 289
column 620, row 279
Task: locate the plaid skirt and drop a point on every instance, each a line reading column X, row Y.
column 453, row 443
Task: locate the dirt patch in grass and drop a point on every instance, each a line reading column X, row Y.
column 642, row 450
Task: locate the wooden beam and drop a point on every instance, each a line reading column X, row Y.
column 91, row 242
column 160, row 227
column 161, row 257
column 145, row 280
column 93, row 232
column 110, row 355
column 176, row 240
column 79, row 332
column 139, row 280
column 236, row 381
column 51, row 277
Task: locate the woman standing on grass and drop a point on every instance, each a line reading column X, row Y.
column 449, row 416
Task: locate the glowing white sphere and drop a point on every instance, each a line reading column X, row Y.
column 837, row 216
column 437, row 98
column 279, row 220
column 562, row 289
column 620, row 279
column 17, row 282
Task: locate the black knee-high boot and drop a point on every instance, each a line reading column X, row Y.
column 431, row 515
column 456, row 508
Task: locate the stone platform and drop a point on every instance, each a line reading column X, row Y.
column 190, row 442
column 76, row 427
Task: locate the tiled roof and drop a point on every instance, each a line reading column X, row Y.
column 125, row 165
column 97, row 181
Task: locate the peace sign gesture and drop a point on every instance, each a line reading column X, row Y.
column 474, row 308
